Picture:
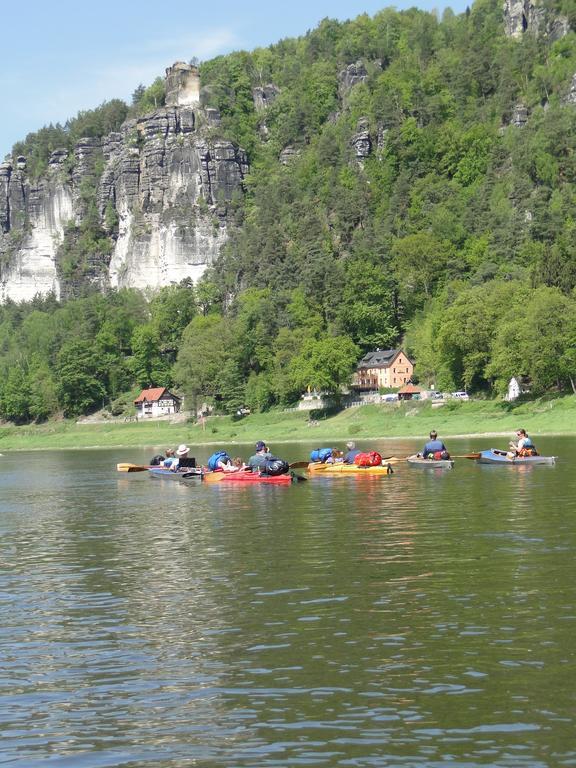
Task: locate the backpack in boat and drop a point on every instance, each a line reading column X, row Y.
column 321, row 454
column 155, row 460
column 275, row 467
column 370, row 459
column 216, row 457
column 529, row 450
column 440, row 455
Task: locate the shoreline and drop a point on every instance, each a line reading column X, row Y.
column 474, row 420
column 277, row 441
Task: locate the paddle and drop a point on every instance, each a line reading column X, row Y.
column 467, row 456
column 131, row 467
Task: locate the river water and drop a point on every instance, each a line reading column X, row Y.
column 422, row 619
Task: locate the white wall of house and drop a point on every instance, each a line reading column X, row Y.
column 151, row 410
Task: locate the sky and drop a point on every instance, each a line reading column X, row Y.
column 59, row 58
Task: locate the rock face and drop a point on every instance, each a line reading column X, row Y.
column 522, row 16
column 264, row 95
column 570, row 98
column 162, row 188
column 361, row 141
column 519, row 116
column 351, row 76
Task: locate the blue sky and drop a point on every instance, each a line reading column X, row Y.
column 58, row 58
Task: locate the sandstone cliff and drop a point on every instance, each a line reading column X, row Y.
column 161, row 187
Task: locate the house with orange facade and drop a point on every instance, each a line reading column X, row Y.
column 383, row 368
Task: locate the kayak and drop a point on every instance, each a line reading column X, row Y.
column 495, row 456
column 318, row 468
column 188, row 473
column 420, row 461
column 244, row 478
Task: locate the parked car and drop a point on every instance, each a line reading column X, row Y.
column 437, row 395
column 460, row 395
column 392, row 397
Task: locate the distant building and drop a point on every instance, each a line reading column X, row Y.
column 157, row 401
column 384, row 368
column 410, row 392
column 518, row 385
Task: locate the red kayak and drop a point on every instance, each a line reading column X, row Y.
column 244, row 477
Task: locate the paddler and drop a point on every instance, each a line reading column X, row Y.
column 258, row 460
column 524, row 445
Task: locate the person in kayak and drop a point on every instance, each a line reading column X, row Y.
column 258, row 460
column 170, row 458
column 524, row 445
column 183, row 461
column 351, row 452
column 434, row 448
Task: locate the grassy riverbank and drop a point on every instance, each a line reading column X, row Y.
column 546, row 416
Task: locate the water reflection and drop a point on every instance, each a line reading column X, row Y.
column 419, row 619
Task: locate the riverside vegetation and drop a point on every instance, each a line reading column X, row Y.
column 414, row 210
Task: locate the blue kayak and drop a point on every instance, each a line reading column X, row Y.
column 187, row 473
column 495, row 456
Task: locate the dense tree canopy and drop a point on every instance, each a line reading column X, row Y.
column 411, row 208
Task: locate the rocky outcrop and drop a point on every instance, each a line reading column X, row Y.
column 519, row 116
column 570, row 97
column 532, row 16
column 361, row 141
column 288, row 155
column 353, row 74
column 161, row 188
column 264, row 95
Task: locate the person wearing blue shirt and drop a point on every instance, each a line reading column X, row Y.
column 433, row 445
column 352, row 452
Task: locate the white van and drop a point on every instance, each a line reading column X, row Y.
column 460, row 395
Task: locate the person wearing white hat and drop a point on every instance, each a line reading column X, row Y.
column 181, row 456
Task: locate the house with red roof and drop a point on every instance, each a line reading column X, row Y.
column 154, row 402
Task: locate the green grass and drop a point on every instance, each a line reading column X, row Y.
column 412, row 419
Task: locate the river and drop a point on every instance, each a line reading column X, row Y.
column 422, row 619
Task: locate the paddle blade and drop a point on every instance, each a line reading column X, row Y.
column 467, row 456
column 131, row 468
column 212, row 477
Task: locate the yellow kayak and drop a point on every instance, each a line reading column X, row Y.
column 318, row 467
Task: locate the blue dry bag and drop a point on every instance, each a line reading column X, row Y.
column 321, row 454
column 216, row 457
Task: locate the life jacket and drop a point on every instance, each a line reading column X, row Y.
column 528, row 450
column 440, row 455
column 321, row 454
column 216, row 457
column 275, row 466
column 370, row 459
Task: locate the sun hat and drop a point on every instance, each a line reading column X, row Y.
column 260, row 445
column 182, row 449
column 351, row 445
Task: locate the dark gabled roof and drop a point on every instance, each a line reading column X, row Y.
column 381, row 358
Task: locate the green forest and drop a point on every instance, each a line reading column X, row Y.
column 454, row 236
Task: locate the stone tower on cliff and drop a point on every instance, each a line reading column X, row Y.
column 182, row 85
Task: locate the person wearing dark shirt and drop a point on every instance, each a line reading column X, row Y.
column 262, row 455
column 352, row 452
column 433, row 446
